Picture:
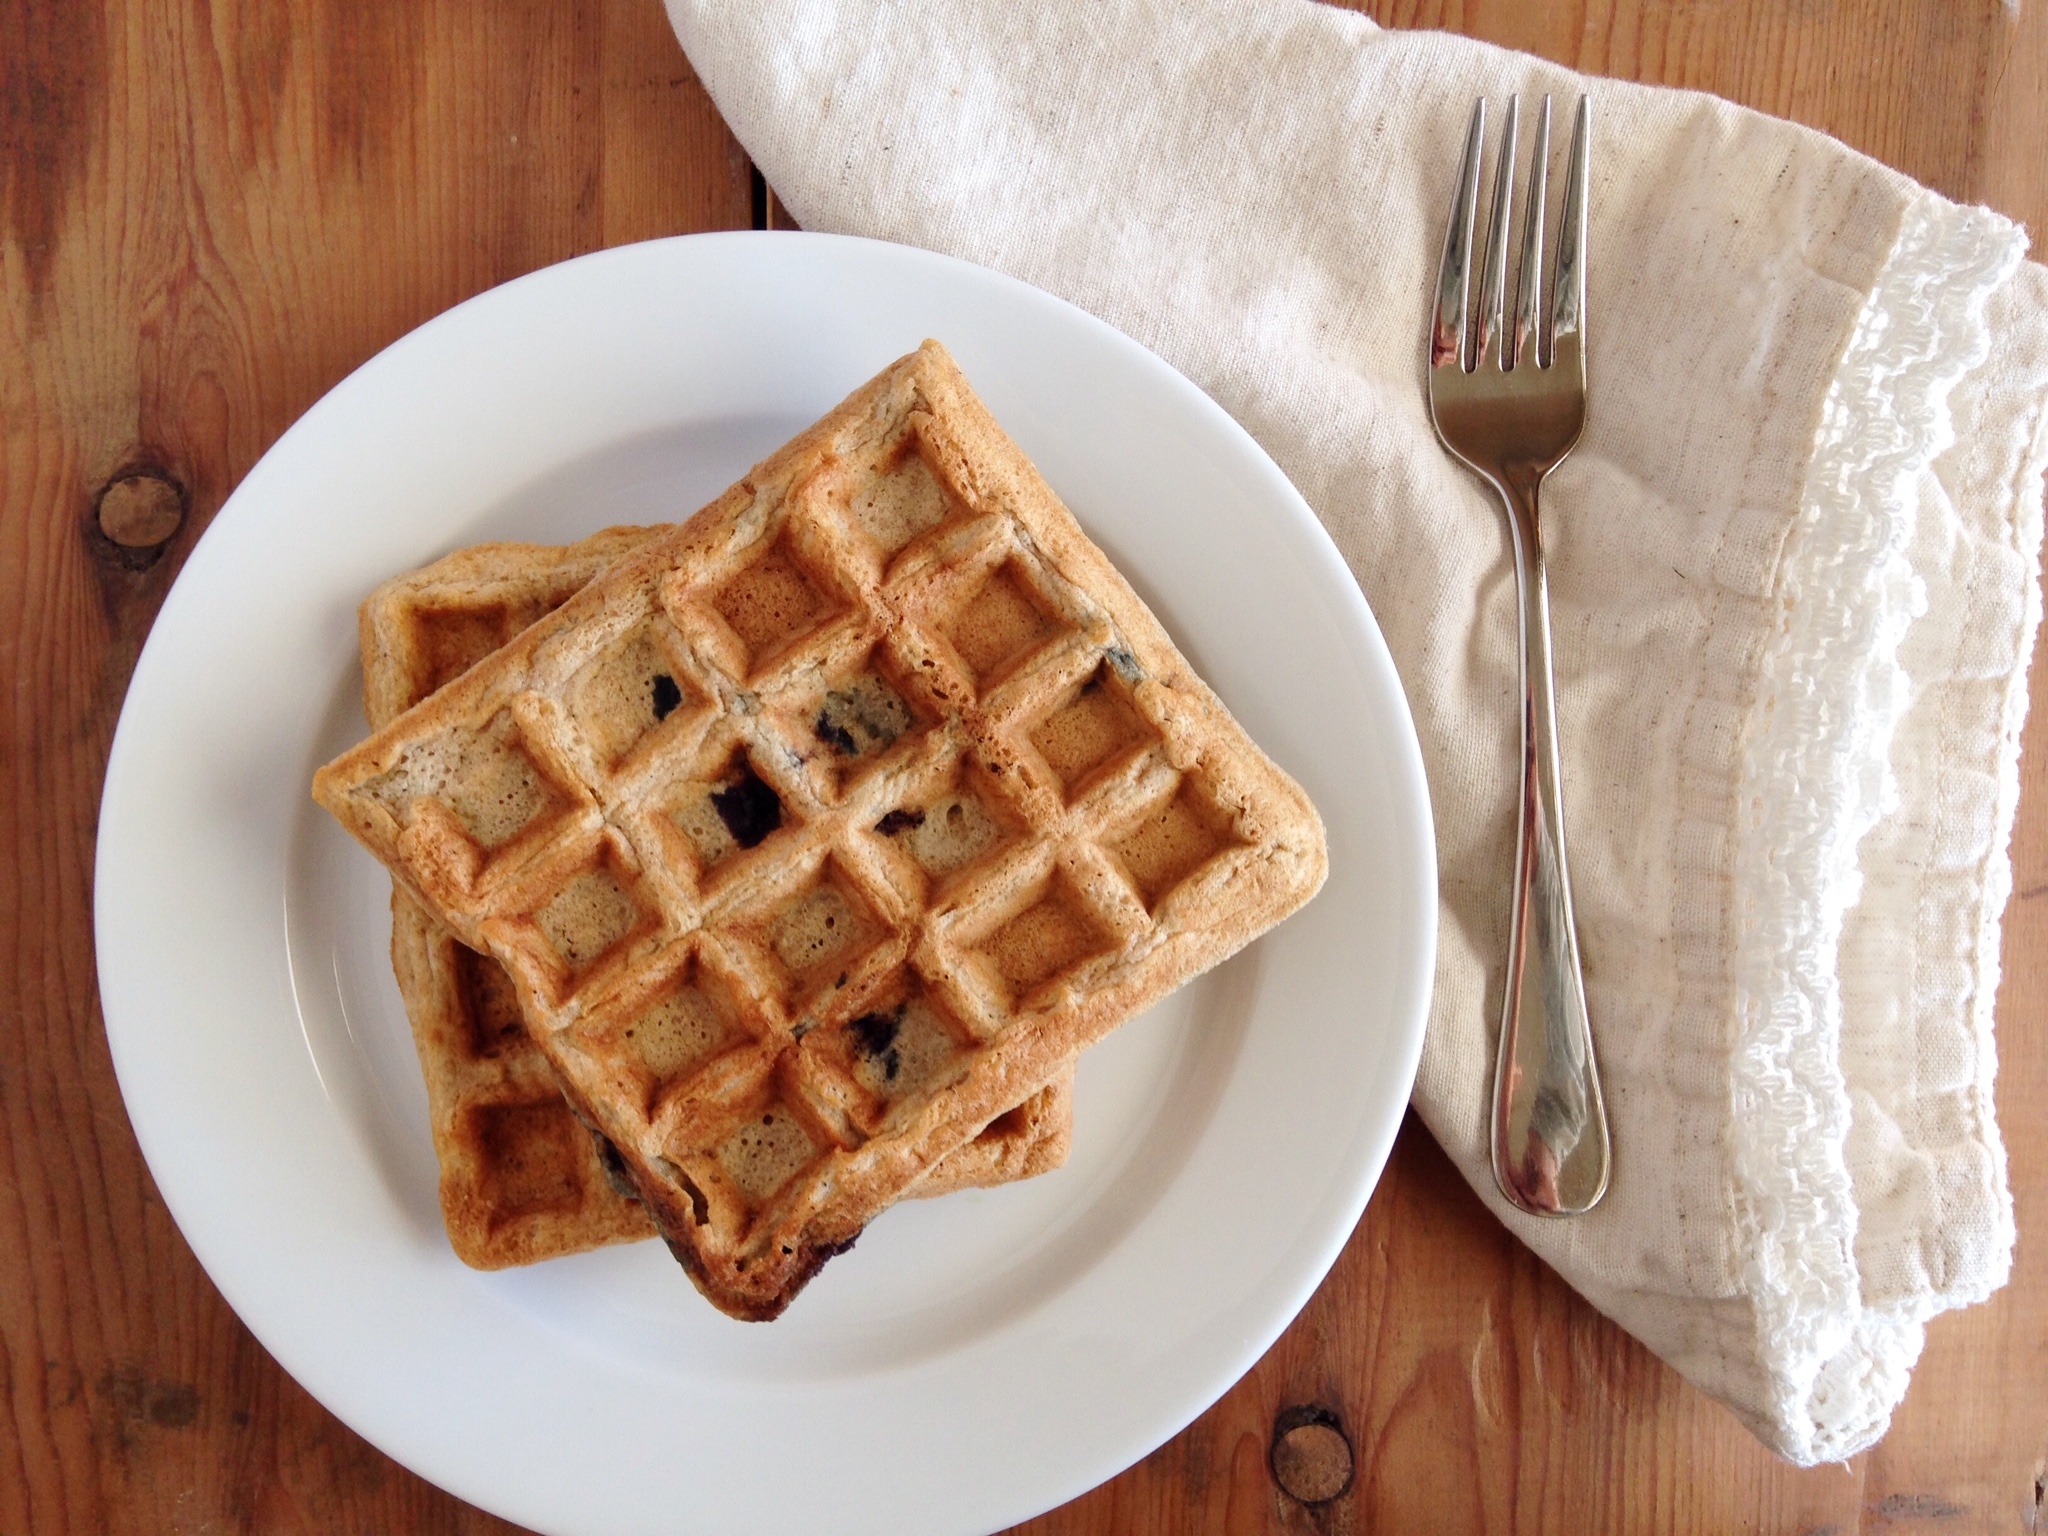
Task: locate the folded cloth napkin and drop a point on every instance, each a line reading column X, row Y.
column 1793, row 585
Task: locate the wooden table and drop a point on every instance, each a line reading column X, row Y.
column 211, row 212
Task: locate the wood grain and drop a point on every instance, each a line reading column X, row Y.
column 211, row 213
column 212, row 210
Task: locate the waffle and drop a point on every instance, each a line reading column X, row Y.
column 989, row 813
column 520, row 1179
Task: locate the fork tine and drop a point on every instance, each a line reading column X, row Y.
column 1528, row 344
column 1454, row 280
column 1493, row 297
column 1568, row 309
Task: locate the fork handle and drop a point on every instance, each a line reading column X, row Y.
column 1550, row 1144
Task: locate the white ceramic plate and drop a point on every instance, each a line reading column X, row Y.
column 976, row 1359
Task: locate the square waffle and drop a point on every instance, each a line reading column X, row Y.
column 993, row 814
column 521, row 1181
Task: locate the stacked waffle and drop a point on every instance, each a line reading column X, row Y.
column 809, row 843
column 521, row 1180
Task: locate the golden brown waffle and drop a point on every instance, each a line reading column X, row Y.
column 521, row 1180
column 993, row 814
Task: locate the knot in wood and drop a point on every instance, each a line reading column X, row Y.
column 1310, row 1455
column 140, row 509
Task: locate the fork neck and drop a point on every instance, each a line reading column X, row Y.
column 1518, row 485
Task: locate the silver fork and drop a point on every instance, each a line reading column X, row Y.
column 1511, row 406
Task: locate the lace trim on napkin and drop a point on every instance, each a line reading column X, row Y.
column 1815, row 778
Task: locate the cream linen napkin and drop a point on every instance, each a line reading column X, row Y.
column 1793, row 582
